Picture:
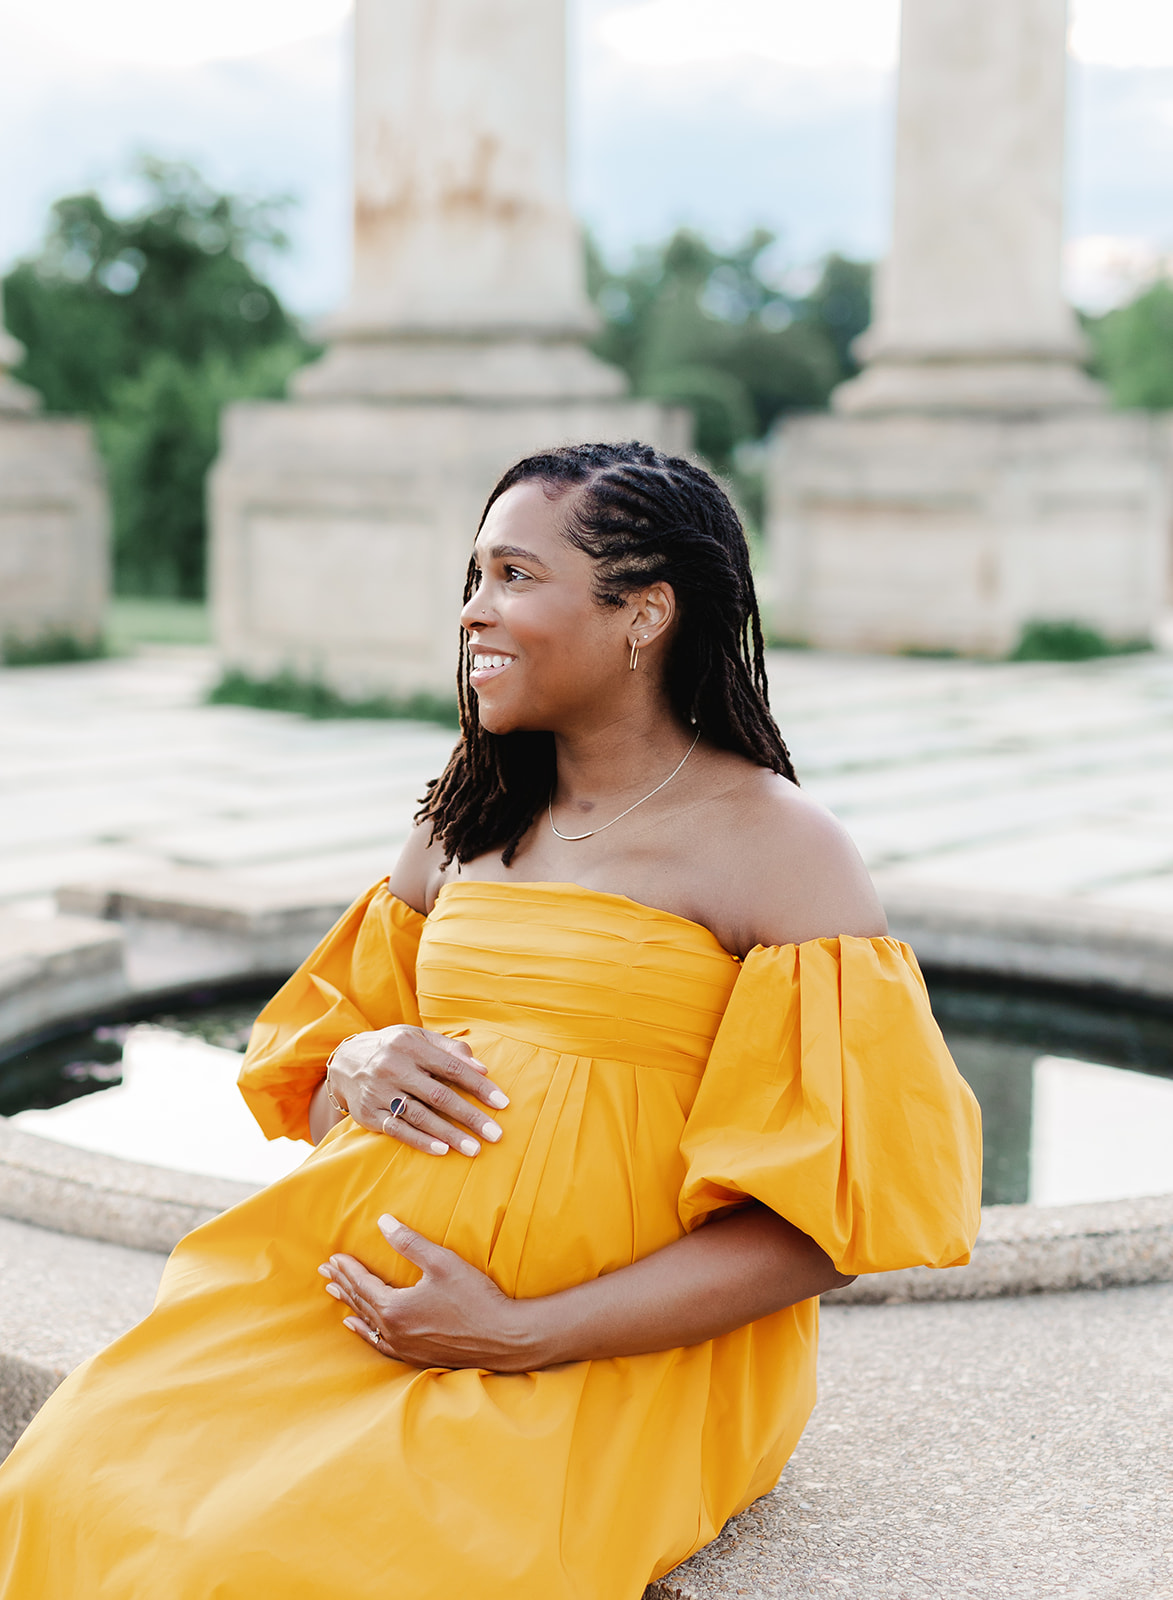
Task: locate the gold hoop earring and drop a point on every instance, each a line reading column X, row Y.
column 634, row 661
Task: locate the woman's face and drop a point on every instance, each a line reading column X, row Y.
column 545, row 654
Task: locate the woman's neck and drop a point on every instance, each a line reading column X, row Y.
column 617, row 759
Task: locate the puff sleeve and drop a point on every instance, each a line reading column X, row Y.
column 361, row 977
column 831, row 1097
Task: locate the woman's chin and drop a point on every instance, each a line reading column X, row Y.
column 501, row 719
column 495, row 718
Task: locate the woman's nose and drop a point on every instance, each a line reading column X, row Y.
column 475, row 613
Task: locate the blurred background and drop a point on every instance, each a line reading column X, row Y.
column 286, row 287
column 176, row 217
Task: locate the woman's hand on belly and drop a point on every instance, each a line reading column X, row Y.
column 404, row 1082
column 454, row 1316
column 740, row 1266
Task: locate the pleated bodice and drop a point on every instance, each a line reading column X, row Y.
column 573, row 970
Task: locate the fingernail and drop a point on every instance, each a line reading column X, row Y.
column 325, row 1271
column 388, row 1223
column 352, row 1323
column 469, row 1146
column 437, row 1148
column 499, row 1100
column 332, row 1288
column 479, row 1065
column 491, row 1131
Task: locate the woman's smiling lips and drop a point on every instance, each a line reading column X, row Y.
column 488, row 664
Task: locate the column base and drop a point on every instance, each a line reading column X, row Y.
column 994, row 387
column 341, row 528
column 427, row 365
column 950, row 533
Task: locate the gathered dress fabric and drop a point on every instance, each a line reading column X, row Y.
column 240, row 1443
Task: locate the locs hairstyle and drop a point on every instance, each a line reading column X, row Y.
column 643, row 518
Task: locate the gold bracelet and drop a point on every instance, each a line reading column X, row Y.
column 330, row 1095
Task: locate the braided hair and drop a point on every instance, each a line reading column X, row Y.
column 644, row 518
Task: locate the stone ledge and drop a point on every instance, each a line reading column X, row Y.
column 55, row 967
column 102, row 1197
column 61, row 1299
column 1064, row 941
column 204, row 899
column 187, row 925
column 1031, row 1249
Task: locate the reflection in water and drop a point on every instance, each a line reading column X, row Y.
column 1000, row 1075
column 177, row 1106
column 1098, row 1133
column 1062, row 1123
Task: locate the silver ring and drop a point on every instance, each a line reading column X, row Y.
column 375, row 1335
column 396, row 1109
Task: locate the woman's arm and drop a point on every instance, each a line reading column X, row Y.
column 737, row 1268
column 733, row 1270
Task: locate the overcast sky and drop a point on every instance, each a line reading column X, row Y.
column 721, row 113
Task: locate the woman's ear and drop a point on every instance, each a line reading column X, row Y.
column 653, row 610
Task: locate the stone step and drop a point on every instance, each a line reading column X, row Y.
column 61, row 1300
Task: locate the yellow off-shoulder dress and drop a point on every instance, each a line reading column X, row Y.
column 239, row 1443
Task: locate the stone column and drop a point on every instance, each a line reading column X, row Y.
column 969, row 312
column 342, row 520
column 54, row 526
column 971, row 480
column 467, row 267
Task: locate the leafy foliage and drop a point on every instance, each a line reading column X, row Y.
column 45, row 649
column 149, row 324
column 159, row 437
column 1133, row 349
column 1070, row 641
column 316, row 700
column 706, row 328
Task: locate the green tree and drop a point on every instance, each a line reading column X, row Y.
column 148, row 324
column 840, row 306
column 703, row 327
column 159, row 438
column 1132, row 349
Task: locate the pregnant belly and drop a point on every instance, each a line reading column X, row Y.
column 584, row 1180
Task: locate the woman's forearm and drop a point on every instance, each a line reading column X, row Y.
column 727, row 1273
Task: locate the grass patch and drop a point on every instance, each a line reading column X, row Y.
column 929, row 652
column 1070, row 641
column 50, row 648
column 309, row 697
column 135, row 619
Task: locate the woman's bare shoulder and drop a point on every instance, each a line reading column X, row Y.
column 418, row 874
column 792, row 867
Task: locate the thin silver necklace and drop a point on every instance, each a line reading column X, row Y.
column 573, row 838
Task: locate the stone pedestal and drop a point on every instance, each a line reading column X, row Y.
column 973, row 479
column 343, row 529
column 343, row 520
column 950, row 532
column 54, row 528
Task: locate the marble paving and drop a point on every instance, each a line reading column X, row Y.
column 1035, row 779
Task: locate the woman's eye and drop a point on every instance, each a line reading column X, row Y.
column 512, row 573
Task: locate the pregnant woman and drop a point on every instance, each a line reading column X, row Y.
column 609, row 1081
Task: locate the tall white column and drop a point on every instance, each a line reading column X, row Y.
column 972, row 480
column 343, row 520
column 467, row 270
column 969, row 310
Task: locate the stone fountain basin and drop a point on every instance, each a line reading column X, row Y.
column 142, row 943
